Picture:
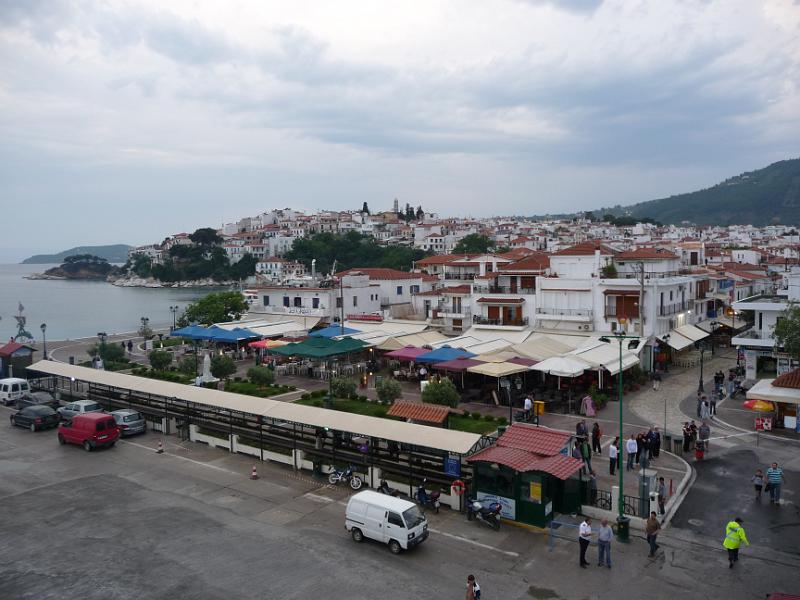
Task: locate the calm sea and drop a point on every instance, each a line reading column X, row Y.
column 76, row 309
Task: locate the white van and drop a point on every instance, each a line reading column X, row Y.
column 12, row 389
column 393, row 521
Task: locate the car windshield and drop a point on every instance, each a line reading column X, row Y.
column 413, row 517
column 91, row 407
column 133, row 417
column 42, row 410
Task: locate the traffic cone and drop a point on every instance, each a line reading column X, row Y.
column 160, row 449
column 254, row 473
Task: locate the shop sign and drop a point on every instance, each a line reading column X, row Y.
column 763, row 423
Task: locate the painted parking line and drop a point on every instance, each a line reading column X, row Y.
column 473, row 542
column 186, row 458
column 318, row 498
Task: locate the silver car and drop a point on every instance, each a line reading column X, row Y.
column 78, row 407
column 130, row 422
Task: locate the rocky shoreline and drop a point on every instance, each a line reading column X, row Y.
column 149, row 282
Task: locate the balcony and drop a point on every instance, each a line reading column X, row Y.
column 612, row 313
column 447, row 312
column 669, row 310
column 518, row 322
column 459, row 276
column 293, row 310
column 580, row 315
column 502, row 289
column 755, row 338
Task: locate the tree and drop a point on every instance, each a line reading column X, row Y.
column 188, row 365
column 388, row 390
column 262, row 376
column 609, row 271
column 365, row 209
column 160, row 360
column 473, row 243
column 145, row 330
column 420, row 213
column 787, row 331
column 441, row 392
column 108, row 352
column 409, row 216
column 343, row 388
column 206, row 236
column 244, row 268
column 222, row 367
column 216, row 307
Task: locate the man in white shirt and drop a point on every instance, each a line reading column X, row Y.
column 631, row 446
column 613, row 456
column 527, row 408
column 584, row 537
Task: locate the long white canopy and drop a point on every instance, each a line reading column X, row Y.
column 562, row 366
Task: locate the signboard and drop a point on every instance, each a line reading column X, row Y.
column 536, row 492
column 509, row 510
column 548, row 508
column 786, row 364
column 750, row 358
column 452, row 466
column 763, row 423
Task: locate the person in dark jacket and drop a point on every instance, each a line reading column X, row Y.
column 596, row 436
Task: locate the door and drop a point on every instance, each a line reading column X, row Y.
column 396, row 529
column 513, row 285
column 373, row 522
column 509, row 315
column 494, row 313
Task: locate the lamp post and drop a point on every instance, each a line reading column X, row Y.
column 714, row 325
column 702, row 347
column 43, row 327
column 620, row 337
column 174, row 311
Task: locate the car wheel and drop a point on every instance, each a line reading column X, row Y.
column 357, row 535
column 61, row 439
column 33, row 427
column 111, row 445
column 87, row 446
column 394, row 546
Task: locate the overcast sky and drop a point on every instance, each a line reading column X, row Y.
column 123, row 122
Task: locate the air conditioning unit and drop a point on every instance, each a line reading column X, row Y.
column 585, row 327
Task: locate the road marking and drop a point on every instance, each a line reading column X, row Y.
column 317, row 498
column 473, row 542
column 186, row 458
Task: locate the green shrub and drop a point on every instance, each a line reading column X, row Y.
column 343, row 388
column 261, row 376
column 441, row 392
column 188, row 365
column 305, row 396
column 502, row 421
column 160, row 360
column 388, row 390
column 317, row 403
column 476, row 415
column 222, row 367
column 488, row 417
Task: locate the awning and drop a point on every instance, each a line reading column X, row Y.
column 457, row 365
column 607, row 356
column 442, row 354
column 492, row 346
column 722, row 320
column 334, row 331
column 503, row 369
column 424, row 338
column 562, row 366
column 541, row 347
column 416, row 411
column 463, row 341
column 267, row 344
column 764, row 390
column 407, row 353
column 693, row 333
column 676, row 341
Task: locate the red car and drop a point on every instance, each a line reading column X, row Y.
column 91, row 430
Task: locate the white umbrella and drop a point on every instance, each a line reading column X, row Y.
column 562, row 366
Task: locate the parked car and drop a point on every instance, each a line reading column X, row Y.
column 130, row 422
column 90, row 430
column 40, row 398
column 12, row 389
column 36, row 417
column 79, row 407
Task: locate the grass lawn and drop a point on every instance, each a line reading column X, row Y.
column 470, row 425
column 371, row 409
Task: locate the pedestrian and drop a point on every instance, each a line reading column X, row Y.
column 699, row 401
column 581, row 432
column 122, row 345
column 758, row 482
column 473, row 589
column 734, row 536
column 693, row 429
column 705, row 433
column 774, row 480
column 584, row 537
column 704, row 410
column 712, row 405
column 731, row 383
column 656, row 442
column 592, row 488
column 656, row 381
column 613, row 455
column 644, row 463
column 630, row 446
column 687, row 437
column 527, row 406
column 604, row 536
column 661, row 489
column 130, row 347
column 586, row 455
column 652, row 528
column 596, row 436
column 639, row 446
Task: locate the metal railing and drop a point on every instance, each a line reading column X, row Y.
column 518, row 322
column 611, row 311
column 671, row 309
column 502, row 289
column 565, row 312
column 460, row 276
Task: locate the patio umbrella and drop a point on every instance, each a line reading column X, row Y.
column 193, row 332
column 562, row 366
column 442, row 354
column 334, row 331
column 759, row 405
column 407, row 353
column 267, row 344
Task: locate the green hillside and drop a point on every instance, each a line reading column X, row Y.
column 117, row 253
column 767, row 196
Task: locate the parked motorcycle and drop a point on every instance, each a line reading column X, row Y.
column 347, row 474
column 428, row 499
column 486, row 512
column 384, row 488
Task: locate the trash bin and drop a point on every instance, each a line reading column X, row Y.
column 623, row 529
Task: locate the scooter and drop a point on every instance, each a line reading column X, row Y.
column 384, row 488
column 429, row 500
column 490, row 515
column 347, row 475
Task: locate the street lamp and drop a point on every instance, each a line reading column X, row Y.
column 174, row 311
column 620, row 337
column 714, row 325
column 43, row 327
column 701, row 345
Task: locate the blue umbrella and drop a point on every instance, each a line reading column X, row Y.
column 333, row 331
column 194, row 332
column 218, row 334
column 442, row 354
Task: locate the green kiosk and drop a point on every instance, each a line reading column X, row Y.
column 530, row 473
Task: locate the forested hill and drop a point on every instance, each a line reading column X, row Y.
column 117, row 253
column 767, row 196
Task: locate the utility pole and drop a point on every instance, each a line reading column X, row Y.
column 641, row 299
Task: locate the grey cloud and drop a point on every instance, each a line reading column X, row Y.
column 569, row 5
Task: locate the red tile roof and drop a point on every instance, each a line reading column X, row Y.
column 456, row 289
column 647, row 254
column 531, row 438
column 788, row 380
column 517, row 253
column 441, row 259
column 12, row 347
column 586, row 248
column 376, row 274
column 533, row 262
column 429, row 413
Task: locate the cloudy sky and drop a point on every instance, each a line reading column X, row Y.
column 122, row 122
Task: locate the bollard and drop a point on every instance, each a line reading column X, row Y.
column 160, row 449
column 254, row 473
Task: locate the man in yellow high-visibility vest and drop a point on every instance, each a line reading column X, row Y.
column 734, row 536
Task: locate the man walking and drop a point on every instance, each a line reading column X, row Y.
column 656, row 442
column 613, row 455
column 584, row 537
column 631, row 446
column 774, row 480
column 652, row 528
column 604, row 536
column 734, row 536
column 705, row 433
column 597, row 434
column 527, row 407
column 661, row 490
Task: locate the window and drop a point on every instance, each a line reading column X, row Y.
column 338, row 302
column 315, row 303
column 15, row 387
column 298, row 301
column 355, row 300
column 415, row 289
column 286, row 300
column 266, row 300
column 101, row 425
column 399, row 290
column 395, row 519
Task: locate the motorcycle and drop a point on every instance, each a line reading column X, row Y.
column 426, row 499
column 488, row 513
column 346, row 475
column 384, row 488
